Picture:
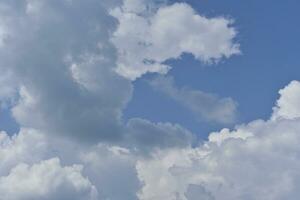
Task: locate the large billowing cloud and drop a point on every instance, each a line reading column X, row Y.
column 259, row 160
column 66, row 74
column 59, row 59
column 147, row 36
column 59, row 67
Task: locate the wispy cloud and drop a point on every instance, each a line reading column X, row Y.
column 205, row 106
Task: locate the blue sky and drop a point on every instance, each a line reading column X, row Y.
column 269, row 38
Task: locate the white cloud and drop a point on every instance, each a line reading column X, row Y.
column 98, row 168
column 203, row 105
column 288, row 105
column 263, row 166
column 66, row 83
column 45, row 181
column 259, row 160
column 68, row 87
column 28, row 146
column 147, row 37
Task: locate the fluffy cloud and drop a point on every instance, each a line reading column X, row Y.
column 203, row 105
column 148, row 36
column 287, row 105
column 65, row 79
column 28, row 146
column 35, row 166
column 259, row 160
column 69, row 86
column 255, row 161
column 263, row 166
column 46, row 180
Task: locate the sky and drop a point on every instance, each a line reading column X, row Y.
column 269, row 60
column 263, row 32
column 149, row 100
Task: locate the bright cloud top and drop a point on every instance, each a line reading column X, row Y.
column 46, row 180
column 146, row 38
column 287, row 105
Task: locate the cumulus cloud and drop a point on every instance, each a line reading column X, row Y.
column 70, row 84
column 263, row 166
column 27, row 146
column 287, row 105
column 35, row 166
column 58, row 55
column 259, row 160
column 45, row 181
column 60, row 76
column 203, row 105
column 147, row 36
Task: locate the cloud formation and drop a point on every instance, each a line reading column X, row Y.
column 66, row 83
column 287, row 105
column 74, row 81
column 65, row 80
column 35, row 165
column 148, row 36
column 259, row 160
column 45, row 181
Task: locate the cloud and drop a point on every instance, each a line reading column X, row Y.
column 196, row 192
column 203, row 105
column 287, row 105
column 67, row 84
column 148, row 36
column 46, row 180
column 112, row 170
column 58, row 55
column 36, row 166
column 58, row 58
column 148, row 136
column 260, row 167
column 258, row 160
column 8, row 89
column 27, row 146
